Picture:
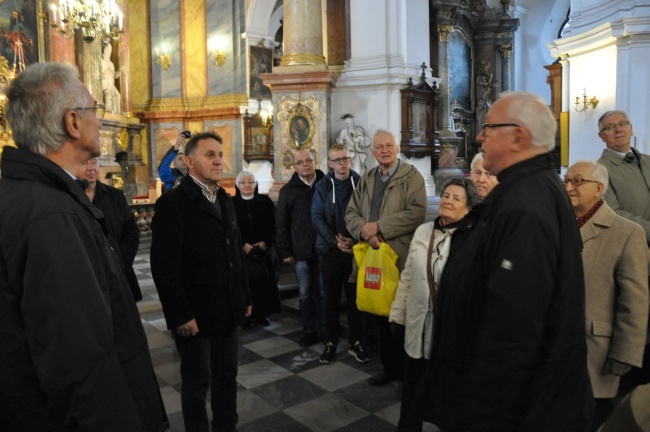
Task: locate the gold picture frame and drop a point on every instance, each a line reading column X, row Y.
column 300, row 128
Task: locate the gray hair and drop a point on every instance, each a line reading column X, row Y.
column 477, row 158
column 37, row 102
column 467, row 184
column 530, row 111
column 598, row 172
column 601, row 120
column 384, row 131
column 241, row 175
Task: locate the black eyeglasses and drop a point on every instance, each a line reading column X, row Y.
column 612, row 126
column 496, row 125
column 576, row 182
column 99, row 110
column 341, row 160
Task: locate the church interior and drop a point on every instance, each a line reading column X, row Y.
column 273, row 77
column 254, row 70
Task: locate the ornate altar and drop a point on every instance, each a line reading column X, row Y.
column 258, row 135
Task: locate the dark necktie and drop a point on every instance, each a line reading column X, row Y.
column 630, row 158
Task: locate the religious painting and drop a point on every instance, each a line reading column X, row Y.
column 299, row 129
column 260, row 62
column 420, row 122
column 19, row 34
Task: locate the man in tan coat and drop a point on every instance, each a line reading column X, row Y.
column 615, row 259
column 388, row 205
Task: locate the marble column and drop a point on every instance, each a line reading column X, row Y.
column 303, row 33
column 443, row 71
column 505, row 51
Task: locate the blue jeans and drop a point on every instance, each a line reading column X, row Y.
column 308, row 276
column 209, row 358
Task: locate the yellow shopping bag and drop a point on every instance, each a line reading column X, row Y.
column 377, row 278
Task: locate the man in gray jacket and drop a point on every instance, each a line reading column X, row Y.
column 628, row 194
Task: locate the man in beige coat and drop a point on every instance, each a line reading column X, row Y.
column 615, row 259
column 388, row 205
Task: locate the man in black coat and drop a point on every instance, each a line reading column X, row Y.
column 199, row 272
column 296, row 238
column 120, row 222
column 73, row 353
column 509, row 347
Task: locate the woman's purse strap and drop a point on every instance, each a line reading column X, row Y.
column 433, row 286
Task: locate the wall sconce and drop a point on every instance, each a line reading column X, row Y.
column 586, row 101
column 164, row 59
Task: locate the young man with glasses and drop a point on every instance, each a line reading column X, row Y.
column 296, row 238
column 334, row 246
column 628, row 194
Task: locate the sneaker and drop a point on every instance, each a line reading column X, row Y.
column 358, row 351
column 328, row 353
column 307, row 340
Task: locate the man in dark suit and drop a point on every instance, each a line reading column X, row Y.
column 197, row 266
column 120, row 221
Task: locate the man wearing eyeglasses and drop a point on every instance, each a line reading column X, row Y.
column 73, row 353
column 628, row 193
column 387, row 206
column 296, row 238
column 509, row 347
column 334, row 245
column 615, row 258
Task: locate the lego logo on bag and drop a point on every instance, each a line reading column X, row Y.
column 373, row 278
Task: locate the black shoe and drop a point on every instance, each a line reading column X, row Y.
column 359, row 352
column 380, row 379
column 307, row 340
column 328, row 353
column 264, row 322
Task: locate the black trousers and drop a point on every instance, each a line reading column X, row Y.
column 391, row 350
column 209, row 359
column 335, row 272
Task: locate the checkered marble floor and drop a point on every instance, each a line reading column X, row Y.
column 281, row 386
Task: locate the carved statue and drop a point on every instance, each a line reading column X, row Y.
column 112, row 97
column 355, row 139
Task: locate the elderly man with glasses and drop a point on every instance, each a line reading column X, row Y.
column 615, row 258
column 628, row 194
column 510, row 352
column 296, row 238
column 73, row 353
column 387, row 206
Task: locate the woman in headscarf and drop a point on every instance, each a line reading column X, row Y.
column 256, row 219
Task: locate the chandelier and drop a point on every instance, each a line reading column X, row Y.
column 92, row 17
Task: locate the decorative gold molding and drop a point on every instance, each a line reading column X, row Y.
column 505, row 50
column 444, row 31
column 302, row 59
column 196, row 103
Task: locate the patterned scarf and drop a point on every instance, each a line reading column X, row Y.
column 583, row 220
